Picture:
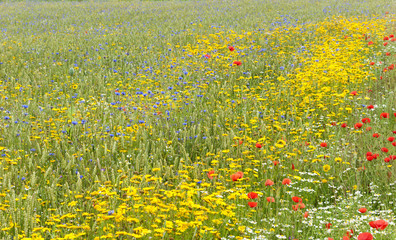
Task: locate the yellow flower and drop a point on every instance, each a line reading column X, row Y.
column 326, row 168
column 339, row 160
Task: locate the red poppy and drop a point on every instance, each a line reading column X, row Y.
column 252, row 204
column 372, row 63
column 258, row 145
column 306, row 214
column 370, row 107
column 207, row 56
column 344, row 125
column 365, row 236
column 300, row 205
column 231, row 48
column 329, row 238
column 328, row 225
column 385, row 43
column 297, row 199
column 379, row 224
column 387, row 54
column 391, row 139
column 394, row 114
column 270, row 199
column 375, row 156
column 238, row 63
column 387, row 159
column 384, row 115
column 386, row 38
column 370, row 43
column 323, row 144
column 394, row 144
column 393, row 157
column 236, row 176
column 391, row 36
column 353, row 93
column 268, row 182
column 376, row 135
column 363, row 210
column 293, row 167
column 394, row 132
column 384, row 150
column 366, row 120
column 286, row 181
column 252, row 195
column 368, row 128
column 369, row 154
column 210, row 174
column 370, row 158
column 347, row 235
column 275, row 163
column 358, row 125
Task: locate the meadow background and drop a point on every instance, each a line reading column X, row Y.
column 197, row 120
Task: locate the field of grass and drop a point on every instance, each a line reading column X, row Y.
column 198, row 120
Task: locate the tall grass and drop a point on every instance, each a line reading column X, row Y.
column 129, row 120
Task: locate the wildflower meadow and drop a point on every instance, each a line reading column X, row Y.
column 250, row 119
